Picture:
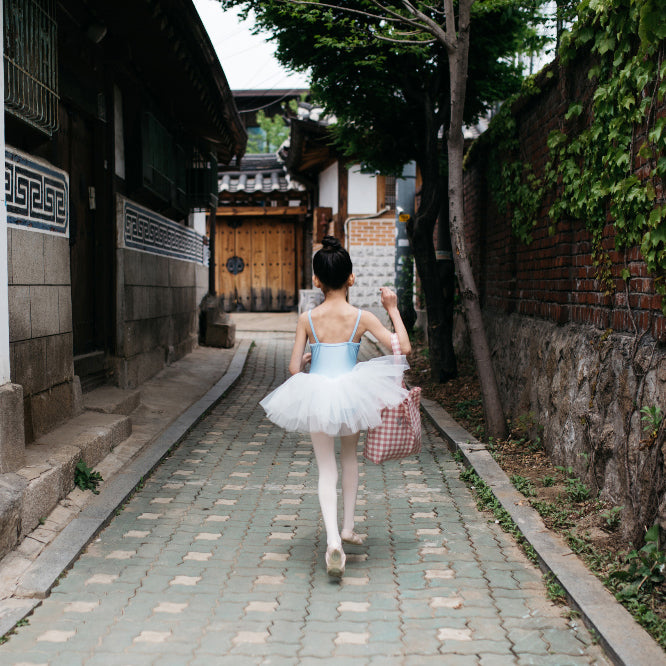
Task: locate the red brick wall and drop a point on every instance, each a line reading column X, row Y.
column 552, row 278
column 372, row 232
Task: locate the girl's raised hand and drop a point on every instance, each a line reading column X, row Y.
column 389, row 298
column 305, row 360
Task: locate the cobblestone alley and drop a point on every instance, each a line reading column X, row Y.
column 219, row 559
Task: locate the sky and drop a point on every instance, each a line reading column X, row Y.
column 247, row 60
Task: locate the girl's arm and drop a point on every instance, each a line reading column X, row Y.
column 298, row 358
column 374, row 326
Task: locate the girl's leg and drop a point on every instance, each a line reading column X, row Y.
column 349, row 463
column 324, row 448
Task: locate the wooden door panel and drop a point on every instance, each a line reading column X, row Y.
column 267, row 248
column 288, row 247
column 260, row 300
column 244, row 278
column 224, row 250
column 273, row 269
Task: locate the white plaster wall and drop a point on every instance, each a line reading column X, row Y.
column 4, row 274
column 328, row 187
column 197, row 221
column 362, row 192
column 118, row 132
column 373, row 268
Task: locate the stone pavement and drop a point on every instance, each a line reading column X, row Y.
column 218, row 559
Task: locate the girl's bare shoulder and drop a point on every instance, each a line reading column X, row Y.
column 368, row 322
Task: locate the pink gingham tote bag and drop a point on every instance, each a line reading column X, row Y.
column 399, row 435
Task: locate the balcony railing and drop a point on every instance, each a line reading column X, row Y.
column 31, row 62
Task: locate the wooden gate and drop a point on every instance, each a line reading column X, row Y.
column 256, row 260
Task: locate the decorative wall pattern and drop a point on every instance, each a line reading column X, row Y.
column 37, row 194
column 142, row 229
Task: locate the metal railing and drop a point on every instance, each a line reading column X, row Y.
column 31, row 62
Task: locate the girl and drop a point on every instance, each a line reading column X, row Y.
column 338, row 397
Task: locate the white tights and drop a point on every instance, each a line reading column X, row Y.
column 324, row 448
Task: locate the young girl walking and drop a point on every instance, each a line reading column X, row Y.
column 338, row 397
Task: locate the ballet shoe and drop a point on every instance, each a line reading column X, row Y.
column 353, row 538
column 335, row 561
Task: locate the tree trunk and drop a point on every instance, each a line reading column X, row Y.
column 421, row 239
column 492, row 406
column 440, row 335
column 447, row 276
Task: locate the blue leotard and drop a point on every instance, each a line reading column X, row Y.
column 338, row 396
column 333, row 359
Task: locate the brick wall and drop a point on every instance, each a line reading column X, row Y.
column 375, row 232
column 553, row 278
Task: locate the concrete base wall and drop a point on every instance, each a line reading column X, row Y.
column 12, row 435
column 159, row 302
column 581, row 390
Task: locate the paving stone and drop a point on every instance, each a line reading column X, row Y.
column 217, row 561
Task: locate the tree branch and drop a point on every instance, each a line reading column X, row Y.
column 347, row 10
column 417, row 42
column 421, row 21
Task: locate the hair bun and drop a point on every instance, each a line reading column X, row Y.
column 331, row 243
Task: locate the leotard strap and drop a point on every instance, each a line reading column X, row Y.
column 358, row 319
column 314, row 335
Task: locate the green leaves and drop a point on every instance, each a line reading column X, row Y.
column 85, row 478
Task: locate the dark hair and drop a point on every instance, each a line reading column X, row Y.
column 332, row 264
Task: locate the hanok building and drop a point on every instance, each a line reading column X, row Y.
column 355, row 206
column 117, row 115
column 261, row 248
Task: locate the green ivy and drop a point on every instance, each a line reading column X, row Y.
column 516, row 189
column 593, row 159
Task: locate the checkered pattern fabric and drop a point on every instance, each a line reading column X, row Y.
column 399, row 435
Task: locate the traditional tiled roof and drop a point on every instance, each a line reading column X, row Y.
column 258, row 173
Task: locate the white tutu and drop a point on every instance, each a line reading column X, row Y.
column 341, row 405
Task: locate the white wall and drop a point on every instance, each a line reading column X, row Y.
column 328, row 188
column 118, row 132
column 362, row 192
column 4, row 274
column 197, row 221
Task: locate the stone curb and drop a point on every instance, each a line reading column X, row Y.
column 39, row 578
column 623, row 639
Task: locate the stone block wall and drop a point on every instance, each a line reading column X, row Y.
column 40, row 303
column 578, row 362
column 371, row 244
column 161, row 281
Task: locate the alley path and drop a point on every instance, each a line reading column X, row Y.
column 218, row 559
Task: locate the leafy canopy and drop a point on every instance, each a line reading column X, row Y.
column 390, row 99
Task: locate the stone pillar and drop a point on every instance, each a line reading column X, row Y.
column 12, row 437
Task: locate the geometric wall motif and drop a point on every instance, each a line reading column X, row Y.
column 144, row 230
column 37, row 194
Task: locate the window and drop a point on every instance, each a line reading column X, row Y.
column 31, row 62
column 386, row 192
column 157, row 157
column 202, row 181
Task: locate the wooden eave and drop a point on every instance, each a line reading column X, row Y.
column 310, row 147
column 261, row 211
column 167, row 44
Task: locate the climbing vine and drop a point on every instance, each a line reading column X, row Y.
column 515, row 187
column 608, row 159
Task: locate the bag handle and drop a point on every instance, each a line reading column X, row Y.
column 395, row 344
